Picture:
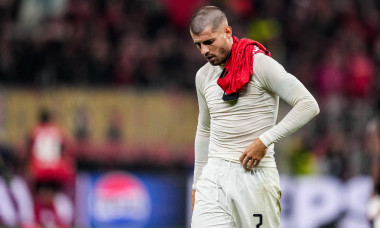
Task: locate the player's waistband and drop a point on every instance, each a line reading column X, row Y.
column 232, row 163
column 223, row 162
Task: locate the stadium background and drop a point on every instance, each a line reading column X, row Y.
column 119, row 75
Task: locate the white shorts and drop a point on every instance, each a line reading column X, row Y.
column 228, row 196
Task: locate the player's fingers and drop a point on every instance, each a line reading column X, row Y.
column 250, row 164
column 242, row 156
column 245, row 161
column 256, row 163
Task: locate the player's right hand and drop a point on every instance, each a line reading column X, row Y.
column 253, row 154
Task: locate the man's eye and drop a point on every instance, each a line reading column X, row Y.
column 208, row 42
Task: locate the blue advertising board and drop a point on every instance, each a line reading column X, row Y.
column 122, row 199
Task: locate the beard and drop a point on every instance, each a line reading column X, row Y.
column 221, row 58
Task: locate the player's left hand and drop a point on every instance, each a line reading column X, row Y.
column 253, row 154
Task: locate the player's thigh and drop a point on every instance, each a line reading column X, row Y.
column 209, row 212
column 259, row 204
column 210, row 208
column 212, row 217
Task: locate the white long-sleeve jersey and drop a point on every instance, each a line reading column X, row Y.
column 225, row 129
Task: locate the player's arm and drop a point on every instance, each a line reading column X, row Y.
column 202, row 137
column 293, row 92
column 275, row 79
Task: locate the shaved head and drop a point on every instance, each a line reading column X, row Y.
column 205, row 17
column 211, row 34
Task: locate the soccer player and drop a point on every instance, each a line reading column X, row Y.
column 52, row 171
column 236, row 182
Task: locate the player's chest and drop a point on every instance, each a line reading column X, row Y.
column 248, row 98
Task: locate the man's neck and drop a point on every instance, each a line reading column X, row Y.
column 228, row 57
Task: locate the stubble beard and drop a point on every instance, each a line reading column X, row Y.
column 224, row 54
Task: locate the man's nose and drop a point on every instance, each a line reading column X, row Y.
column 204, row 50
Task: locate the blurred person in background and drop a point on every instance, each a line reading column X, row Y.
column 373, row 130
column 236, row 182
column 52, row 172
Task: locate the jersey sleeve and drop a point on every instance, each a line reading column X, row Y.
column 275, row 79
column 202, row 137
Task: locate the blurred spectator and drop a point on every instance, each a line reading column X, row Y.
column 373, row 146
column 115, row 125
column 330, row 73
column 300, row 158
column 360, row 71
column 337, row 156
column 180, row 12
column 81, row 123
column 51, row 171
column 33, row 13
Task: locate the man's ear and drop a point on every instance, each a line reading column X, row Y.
column 228, row 31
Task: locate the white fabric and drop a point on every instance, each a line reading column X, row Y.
column 231, row 127
column 24, row 200
column 64, row 208
column 373, row 210
column 7, row 209
column 228, row 196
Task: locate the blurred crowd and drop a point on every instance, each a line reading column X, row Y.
column 103, row 43
column 332, row 46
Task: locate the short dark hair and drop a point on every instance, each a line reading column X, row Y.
column 44, row 115
column 206, row 16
